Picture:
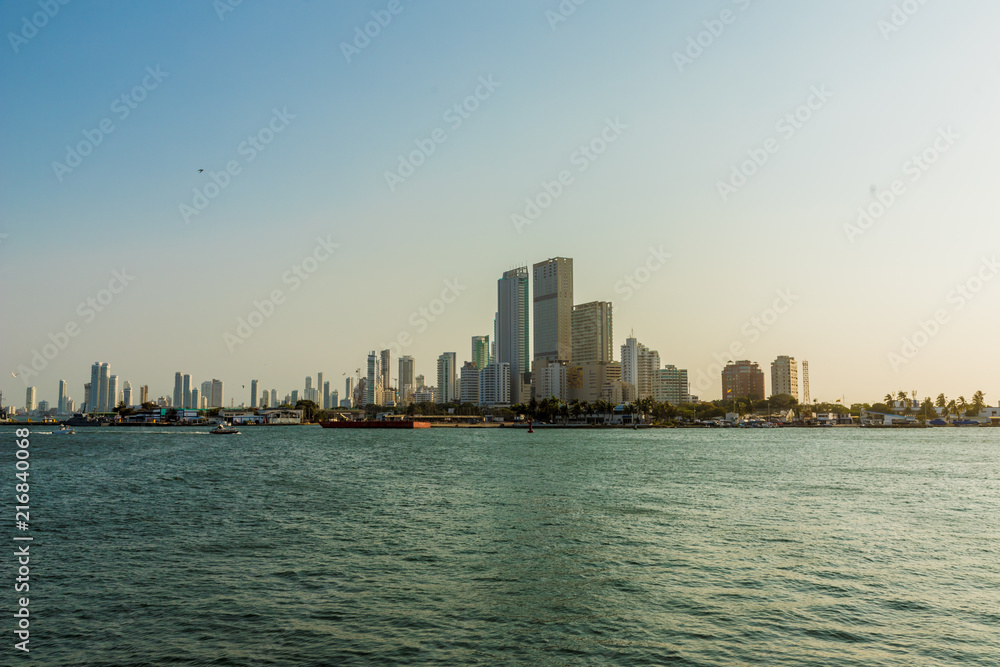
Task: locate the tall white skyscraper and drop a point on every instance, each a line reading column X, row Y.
column 785, row 376
column 127, row 393
column 31, row 399
column 592, row 333
column 512, row 329
column 640, row 367
column 494, row 385
column 469, row 384
column 371, row 395
column 384, row 361
column 349, row 391
column 553, row 309
column 178, row 399
column 62, row 397
column 217, row 400
column 447, row 376
column 112, row 393
column 406, row 380
column 102, row 389
column 95, row 385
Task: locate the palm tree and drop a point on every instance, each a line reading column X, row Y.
column 962, row 406
column 888, row 400
column 951, row 408
column 941, row 401
column 978, row 402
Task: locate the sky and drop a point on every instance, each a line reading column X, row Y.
column 742, row 179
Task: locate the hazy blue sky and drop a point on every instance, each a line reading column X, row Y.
column 198, row 81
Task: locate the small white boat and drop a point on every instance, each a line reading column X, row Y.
column 224, row 429
column 63, row 430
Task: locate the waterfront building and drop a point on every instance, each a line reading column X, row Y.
column 349, row 392
column 253, row 393
column 86, row 398
column 102, row 389
column 324, row 390
column 308, row 393
column 420, row 380
column 425, row 394
column 217, row 399
column 61, row 404
column 373, row 374
column 494, row 385
column 127, row 394
column 43, row 407
column 785, row 377
column 196, row 399
column 334, row 398
column 447, row 376
column 30, row 399
column 385, row 359
column 590, row 381
column 144, row 394
column 592, row 333
column 640, row 367
column 480, row 351
column 550, row 380
column 326, row 394
column 178, row 399
column 293, row 400
column 112, row 393
column 469, row 392
column 672, row 386
column 206, row 391
column 512, row 330
column 187, row 404
column 742, row 379
column 70, row 406
column 405, row 379
column 553, row 309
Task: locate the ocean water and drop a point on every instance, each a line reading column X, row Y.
column 305, row 546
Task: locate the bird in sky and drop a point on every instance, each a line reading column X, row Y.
column 200, row 170
column 13, row 374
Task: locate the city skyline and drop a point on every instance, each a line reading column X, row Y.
column 744, row 184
